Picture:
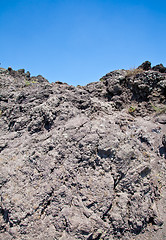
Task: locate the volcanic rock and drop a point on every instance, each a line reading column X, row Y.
column 145, row 66
column 159, row 68
column 84, row 162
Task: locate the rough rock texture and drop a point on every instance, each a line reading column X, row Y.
column 159, row 68
column 83, row 162
column 145, row 66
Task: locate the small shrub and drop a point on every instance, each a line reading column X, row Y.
column 131, row 109
column 101, row 80
column 134, row 72
column 27, row 83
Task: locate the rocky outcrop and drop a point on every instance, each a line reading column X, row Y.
column 159, row 68
column 84, row 162
column 145, row 66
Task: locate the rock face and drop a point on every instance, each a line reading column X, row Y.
column 83, row 162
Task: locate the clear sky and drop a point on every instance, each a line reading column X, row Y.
column 79, row 41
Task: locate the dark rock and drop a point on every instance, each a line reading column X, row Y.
column 21, row 71
column 58, row 82
column 145, row 66
column 28, row 74
column 159, row 68
column 164, row 140
column 10, row 69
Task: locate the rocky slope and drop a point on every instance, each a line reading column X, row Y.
column 85, row 162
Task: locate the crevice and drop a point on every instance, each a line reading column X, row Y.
column 118, row 179
column 98, row 237
column 3, row 182
column 151, row 221
column 91, row 205
column 47, row 124
column 144, row 140
column 106, row 212
column 46, row 202
column 11, row 124
column 82, row 125
column 3, row 147
column 90, row 237
column 66, row 225
column 45, row 206
column 5, row 214
column 84, row 232
column 100, row 137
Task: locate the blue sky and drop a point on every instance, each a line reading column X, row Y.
column 79, row 41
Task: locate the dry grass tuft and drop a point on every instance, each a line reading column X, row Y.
column 134, row 72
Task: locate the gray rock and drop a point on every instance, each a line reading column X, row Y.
column 76, row 164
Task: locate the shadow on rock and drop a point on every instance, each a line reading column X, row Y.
column 162, row 151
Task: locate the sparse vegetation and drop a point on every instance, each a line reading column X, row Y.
column 27, row 83
column 101, row 143
column 134, row 71
column 131, row 109
column 159, row 110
